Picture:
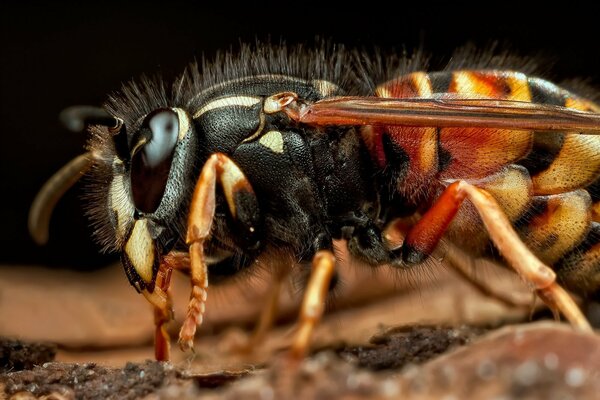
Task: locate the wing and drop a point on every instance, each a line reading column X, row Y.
column 447, row 112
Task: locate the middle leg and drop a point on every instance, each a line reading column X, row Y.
column 313, row 304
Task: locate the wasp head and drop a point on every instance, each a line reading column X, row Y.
column 144, row 171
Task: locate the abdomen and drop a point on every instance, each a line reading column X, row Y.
column 545, row 182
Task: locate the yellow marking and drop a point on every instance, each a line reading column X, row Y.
column 383, row 91
column 580, row 104
column 121, row 204
column 261, row 126
column 244, row 101
column 465, row 83
column 324, row 87
column 273, row 141
column 428, row 150
column 576, row 165
column 563, row 225
column 232, row 178
column 511, row 187
column 142, row 141
column 519, row 87
column 184, row 122
column 428, row 157
column 140, row 250
column 468, row 83
column 422, row 83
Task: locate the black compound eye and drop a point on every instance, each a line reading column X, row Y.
column 151, row 162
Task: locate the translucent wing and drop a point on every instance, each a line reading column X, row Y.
column 445, row 112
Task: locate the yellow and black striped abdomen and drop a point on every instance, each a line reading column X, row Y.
column 561, row 167
column 547, row 183
column 564, row 161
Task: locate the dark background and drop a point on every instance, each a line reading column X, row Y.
column 54, row 56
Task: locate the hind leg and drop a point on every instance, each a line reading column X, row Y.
column 247, row 343
column 425, row 235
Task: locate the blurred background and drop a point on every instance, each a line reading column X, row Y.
column 57, row 55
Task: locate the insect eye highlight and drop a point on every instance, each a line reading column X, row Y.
column 164, row 127
column 151, row 163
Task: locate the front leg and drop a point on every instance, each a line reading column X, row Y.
column 162, row 301
column 244, row 210
column 163, row 313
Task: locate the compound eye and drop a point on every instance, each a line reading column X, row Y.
column 151, row 162
column 165, row 128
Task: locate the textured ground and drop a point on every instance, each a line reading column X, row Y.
column 383, row 339
column 535, row 361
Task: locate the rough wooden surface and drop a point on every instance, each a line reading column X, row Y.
column 104, row 329
column 534, row 361
column 100, row 310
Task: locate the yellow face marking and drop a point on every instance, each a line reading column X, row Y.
column 140, row 250
column 273, row 141
column 184, row 122
column 244, row 101
column 121, row 205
